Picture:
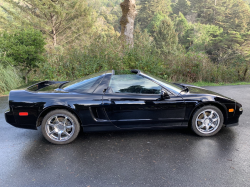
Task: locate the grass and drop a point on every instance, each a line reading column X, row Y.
column 9, row 78
column 218, row 84
column 23, row 86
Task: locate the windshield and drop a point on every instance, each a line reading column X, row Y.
column 170, row 86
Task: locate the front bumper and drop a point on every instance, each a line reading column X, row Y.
column 232, row 124
column 234, row 121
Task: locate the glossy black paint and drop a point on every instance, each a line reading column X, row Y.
column 101, row 110
column 143, row 110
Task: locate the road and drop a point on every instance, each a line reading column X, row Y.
column 171, row 157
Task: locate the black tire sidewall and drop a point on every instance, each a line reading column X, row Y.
column 65, row 112
column 198, row 111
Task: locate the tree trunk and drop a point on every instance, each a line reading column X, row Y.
column 54, row 37
column 53, row 18
column 26, row 79
column 127, row 21
column 26, row 76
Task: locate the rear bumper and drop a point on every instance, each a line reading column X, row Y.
column 9, row 118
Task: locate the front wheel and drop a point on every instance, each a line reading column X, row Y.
column 207, row 121
column 60, row 127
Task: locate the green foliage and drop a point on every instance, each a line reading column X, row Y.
column 9, row 78
column 22, row 48
column 83, row 38
column 62, row 21
column 231, row 15
column 181, row 6
column 148, row 9
column 227, row 46
column 97, row 4
column 201, row 36
column 106, row 53
column 181, row 24
column 166, row 38
column 153, row 26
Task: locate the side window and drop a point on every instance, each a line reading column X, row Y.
column 133, row 84
column 85, row 86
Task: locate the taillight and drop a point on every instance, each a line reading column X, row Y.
column 23, row 113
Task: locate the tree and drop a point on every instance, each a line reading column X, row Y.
column 227, row 46
column 22, row 48
column 61, row 21
column 181, row 28
column 148, row 9
column 155, row 22
column 181, row 6
column 127, row 21
column 166, row 38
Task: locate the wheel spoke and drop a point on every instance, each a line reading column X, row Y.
column 57, row 119
column 201, row 120
column 65, row 120
column 52, row 132
column 51, row 124
column 66, row 133
column 207, row 127
column 211, row 114
column 215, row 119
column 201, row 126
column 69, row 127
column 204, row 114
column 59, row 135
column 212, row 125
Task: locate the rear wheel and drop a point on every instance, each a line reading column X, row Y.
column 207, row 121
column 60, row 127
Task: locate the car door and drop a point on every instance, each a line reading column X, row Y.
column 133, row 101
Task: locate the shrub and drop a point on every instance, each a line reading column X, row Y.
column 9, row 78
column 23, row 48
column 106, row 53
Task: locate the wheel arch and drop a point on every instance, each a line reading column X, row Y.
column 51, row 108
column 216, row 104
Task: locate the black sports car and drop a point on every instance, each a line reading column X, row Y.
column 116, row 101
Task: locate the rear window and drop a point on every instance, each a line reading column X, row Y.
column 83, row 85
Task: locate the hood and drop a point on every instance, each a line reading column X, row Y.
column 202, row 91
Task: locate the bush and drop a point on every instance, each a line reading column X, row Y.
column 9, row 78
column 23, row 49
column 106, row 53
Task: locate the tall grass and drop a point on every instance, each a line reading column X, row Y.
column 9, row 78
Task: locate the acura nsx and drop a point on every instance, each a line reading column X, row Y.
column 114, row 100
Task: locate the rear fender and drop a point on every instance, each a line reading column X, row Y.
column 51, row 108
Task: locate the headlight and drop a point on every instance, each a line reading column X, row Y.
column 240, row 109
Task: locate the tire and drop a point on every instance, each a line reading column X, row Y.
column 207, row 121
column 60, row 127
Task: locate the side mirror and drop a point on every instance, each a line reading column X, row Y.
column 164, row 95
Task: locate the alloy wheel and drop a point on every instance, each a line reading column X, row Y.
column 60, row 127
column 207, row 121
